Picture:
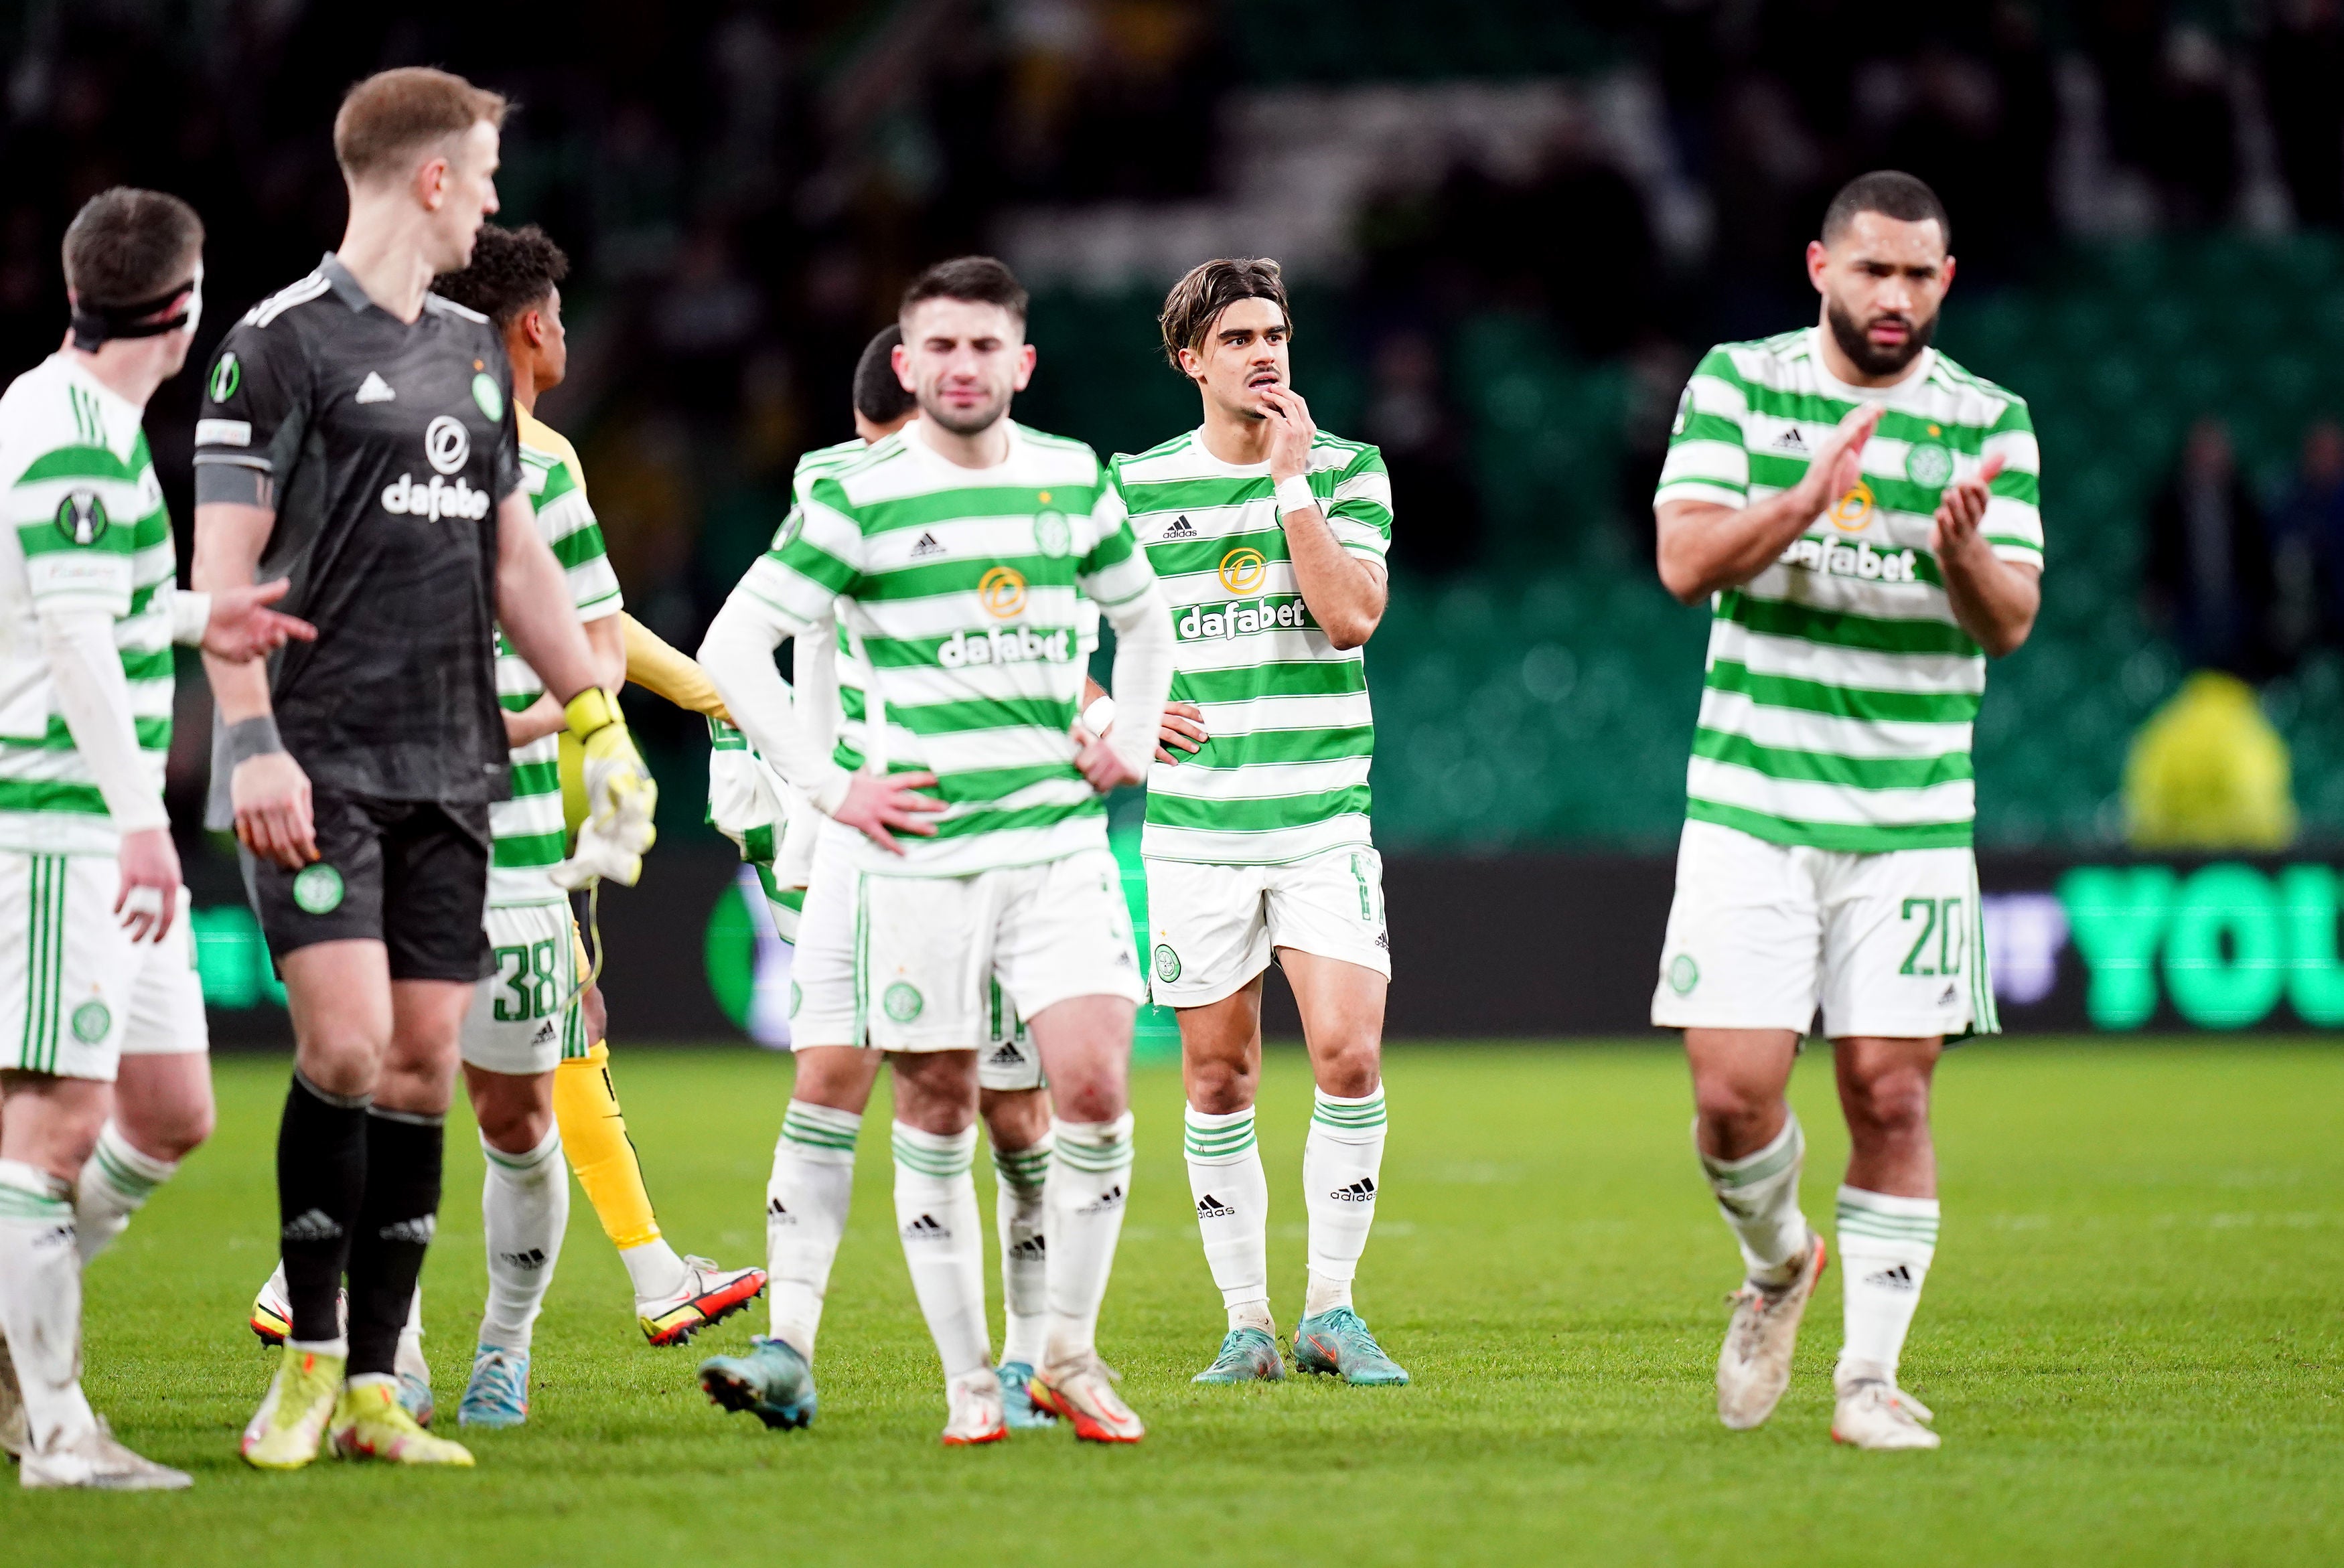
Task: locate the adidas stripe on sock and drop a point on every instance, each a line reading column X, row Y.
column 1231, row 1194
column 1020, row 1175
column 116, row 1183
column 1758, row 1196
column 1083, row 1205
column 1342, row 1160
column 1886, row 1244
column 936, row 1216
column 806, row 1203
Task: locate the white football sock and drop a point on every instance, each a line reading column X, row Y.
column 40, row 1304
column 1232, row 1196
column 1758, row 1194
column 524, row 1214
column 115, row 1184
column 1342, row 1159
column 806, row 1216
column 653, row 1268
column 944, row 1248
column 1083, row 1203
column 1885, row 1246
column 1019, row 1177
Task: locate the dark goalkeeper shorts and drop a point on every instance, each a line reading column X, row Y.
column 412, row 875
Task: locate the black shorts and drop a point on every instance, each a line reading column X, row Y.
column 412, row 875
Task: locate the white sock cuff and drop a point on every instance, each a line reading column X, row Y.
column 547, row 1147
column 1094, row 1146
column 941, row 1155
column 1224, row 1140
column 1881, row 1222
column 1024, row 1170
column 1763, row 1165
column 1359, row 1121
column 29, row 1193
column 133, row 1171
column 820, row 1132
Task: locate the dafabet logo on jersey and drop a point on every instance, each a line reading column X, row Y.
column 1003, row 591
column 1243, row 571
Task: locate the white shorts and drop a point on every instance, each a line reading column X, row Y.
column 77, row 994
column 906, row 964
column 525, row 1017
column 1889, row 944
column 1211, row 928
column 1010, row 1060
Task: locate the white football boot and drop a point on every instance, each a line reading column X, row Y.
column 976, row 1415
column 1753, row 1366
column 1873, row 1412
column 96, row 1462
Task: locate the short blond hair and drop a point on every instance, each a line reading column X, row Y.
column 387, row 120
column 1197, row 300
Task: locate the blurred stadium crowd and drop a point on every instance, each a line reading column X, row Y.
column 1513, row 224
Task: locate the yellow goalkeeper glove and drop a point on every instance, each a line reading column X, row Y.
column 621, row 795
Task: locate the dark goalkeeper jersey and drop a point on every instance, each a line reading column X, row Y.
column 384, row 449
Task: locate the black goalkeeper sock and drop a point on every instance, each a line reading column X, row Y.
column 321, row 1167
column 395, row 1224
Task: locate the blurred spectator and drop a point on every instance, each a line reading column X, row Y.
column 2190, row 143
column 2208, row 575
column 2303, row 89
column 2309, row 541
column 1437, row 508
column 2208, row 772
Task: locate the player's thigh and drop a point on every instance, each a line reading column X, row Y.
column 1744, row 944
column 1207, row 930
column 1332, row 905
column 67, row 968
column 1904, row 955
column 435, row 892
column 520, row 1019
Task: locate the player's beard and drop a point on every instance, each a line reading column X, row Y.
column 965, row 422
column 1871, row 358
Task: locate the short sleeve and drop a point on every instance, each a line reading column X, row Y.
column 254, row 414
column 816, row 554
column 1707, row 459
column 76, row 511
column 576, row 536
column 1360, row 506
column 2012, row 525
column 1115, row 569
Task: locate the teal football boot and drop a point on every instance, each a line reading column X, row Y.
column 1334, row 1342
column 771, row 1382
column 1247, row 1355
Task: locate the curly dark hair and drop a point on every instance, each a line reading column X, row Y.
column 512, row 272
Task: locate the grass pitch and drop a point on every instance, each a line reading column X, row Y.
column 2131, row 1338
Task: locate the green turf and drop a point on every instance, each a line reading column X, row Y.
column 2132, row 1341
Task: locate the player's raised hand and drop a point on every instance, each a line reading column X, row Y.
column 1839, row 464
column 1291, row 431
column 1101, row 768
column 1962, row 508
column 243, row 628
column 880, row 805
column 150, row 897
column 273, row 818
column 1184, row 727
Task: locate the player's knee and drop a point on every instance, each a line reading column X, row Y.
column 1220, row 1088
column 1352, row 1070
column 1735, row 1115
column 180, row 1133
column 1889, row 1104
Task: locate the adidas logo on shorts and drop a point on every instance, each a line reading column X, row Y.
column 1211, row 1207
column 1362, row 1191
column 1007, row 1055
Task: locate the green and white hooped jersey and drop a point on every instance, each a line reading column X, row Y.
column 528, row 835
column 1285, row 775
column 87, row 530
column 1837, row 708
column 959, row 597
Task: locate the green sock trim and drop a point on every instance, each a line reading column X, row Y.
column 1098, row 1159
column 1763, row 1166
column 129, row 1182
column 1023, row 1169
column 16, row 1203
column 1350, row 1115
column 799, row 1127
column 927, row 1160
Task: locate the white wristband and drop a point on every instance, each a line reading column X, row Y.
column 1294, row 495
column 1100, row 715
column 191, row 615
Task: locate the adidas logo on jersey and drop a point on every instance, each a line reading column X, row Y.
column 1110, row 1199
column 1362, row 1191
column 927, row 1228
column 1211, row 1207
column 532, row 1259
column 1181, row 529
column 926, row 547
column 415, row 1232
column 315, row 1225
column 374, row 389
column 1791, row 443
column 1899, row 1277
